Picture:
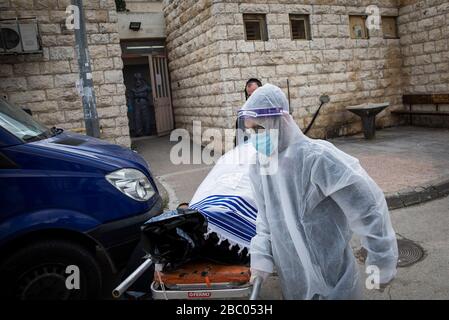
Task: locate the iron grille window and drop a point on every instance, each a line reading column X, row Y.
column 255, row 27
column 300, row 27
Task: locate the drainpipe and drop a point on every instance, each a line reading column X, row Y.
column 86, row 82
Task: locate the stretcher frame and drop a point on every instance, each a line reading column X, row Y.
column 222, row 290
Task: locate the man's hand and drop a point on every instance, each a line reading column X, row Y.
column 258, row 273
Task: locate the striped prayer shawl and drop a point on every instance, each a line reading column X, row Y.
column 232, row 218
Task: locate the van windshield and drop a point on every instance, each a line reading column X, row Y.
column 21, row 124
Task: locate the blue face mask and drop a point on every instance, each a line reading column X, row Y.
column 263, row 143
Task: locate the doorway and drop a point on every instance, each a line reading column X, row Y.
column 139, row 97
column 148, row 93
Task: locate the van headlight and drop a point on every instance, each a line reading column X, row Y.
column 131, row 182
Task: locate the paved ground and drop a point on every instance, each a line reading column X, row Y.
column 401, row 157
column 397, row 159
column 428, row 225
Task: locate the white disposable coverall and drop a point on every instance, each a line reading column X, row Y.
column 308, row 210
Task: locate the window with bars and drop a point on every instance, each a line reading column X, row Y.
column 255, row 27
column 300, row 27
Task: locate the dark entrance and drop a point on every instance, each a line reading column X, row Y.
column 148, row 87
column 139, row 97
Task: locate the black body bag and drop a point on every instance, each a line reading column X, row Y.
column 175, row 237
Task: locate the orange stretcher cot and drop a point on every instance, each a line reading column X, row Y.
column 198, row 280
column 202, row 280
column 205, row 273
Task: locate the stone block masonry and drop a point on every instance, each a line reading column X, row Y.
column 423, row 29
column 45, row 82
column 210, row 61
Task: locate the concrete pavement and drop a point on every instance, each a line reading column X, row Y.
column 427, row 225
column 410, row 164
column 401, row 157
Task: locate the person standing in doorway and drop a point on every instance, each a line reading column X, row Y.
column 140, row 96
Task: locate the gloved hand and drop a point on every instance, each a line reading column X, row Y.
column 258, row 273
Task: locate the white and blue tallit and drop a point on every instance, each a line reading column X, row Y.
column 226, row 199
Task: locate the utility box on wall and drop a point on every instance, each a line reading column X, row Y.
column 19, row 36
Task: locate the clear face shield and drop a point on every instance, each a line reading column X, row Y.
column 259, row 127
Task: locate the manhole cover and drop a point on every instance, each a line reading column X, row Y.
column 409, row 253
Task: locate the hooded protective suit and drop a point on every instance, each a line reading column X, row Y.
column 309, row 208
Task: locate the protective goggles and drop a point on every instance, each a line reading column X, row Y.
column 256, row 113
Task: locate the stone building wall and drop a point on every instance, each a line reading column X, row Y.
column 45, row 83
column 424, row 31
column 149, row 13
column 144, row 5
column 198, row 65
column 210, row 62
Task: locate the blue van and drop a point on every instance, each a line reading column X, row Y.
column 71, row 207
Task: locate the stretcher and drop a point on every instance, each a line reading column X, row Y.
column 196, row 280
column 174, row 241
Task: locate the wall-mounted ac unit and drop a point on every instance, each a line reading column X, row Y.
column 19, row 36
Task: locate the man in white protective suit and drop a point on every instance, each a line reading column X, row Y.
column 310, row 202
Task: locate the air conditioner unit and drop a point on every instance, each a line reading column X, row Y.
column 19, row 36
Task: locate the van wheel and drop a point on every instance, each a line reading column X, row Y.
column 39, row 272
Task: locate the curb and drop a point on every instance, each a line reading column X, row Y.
column 415, row 195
